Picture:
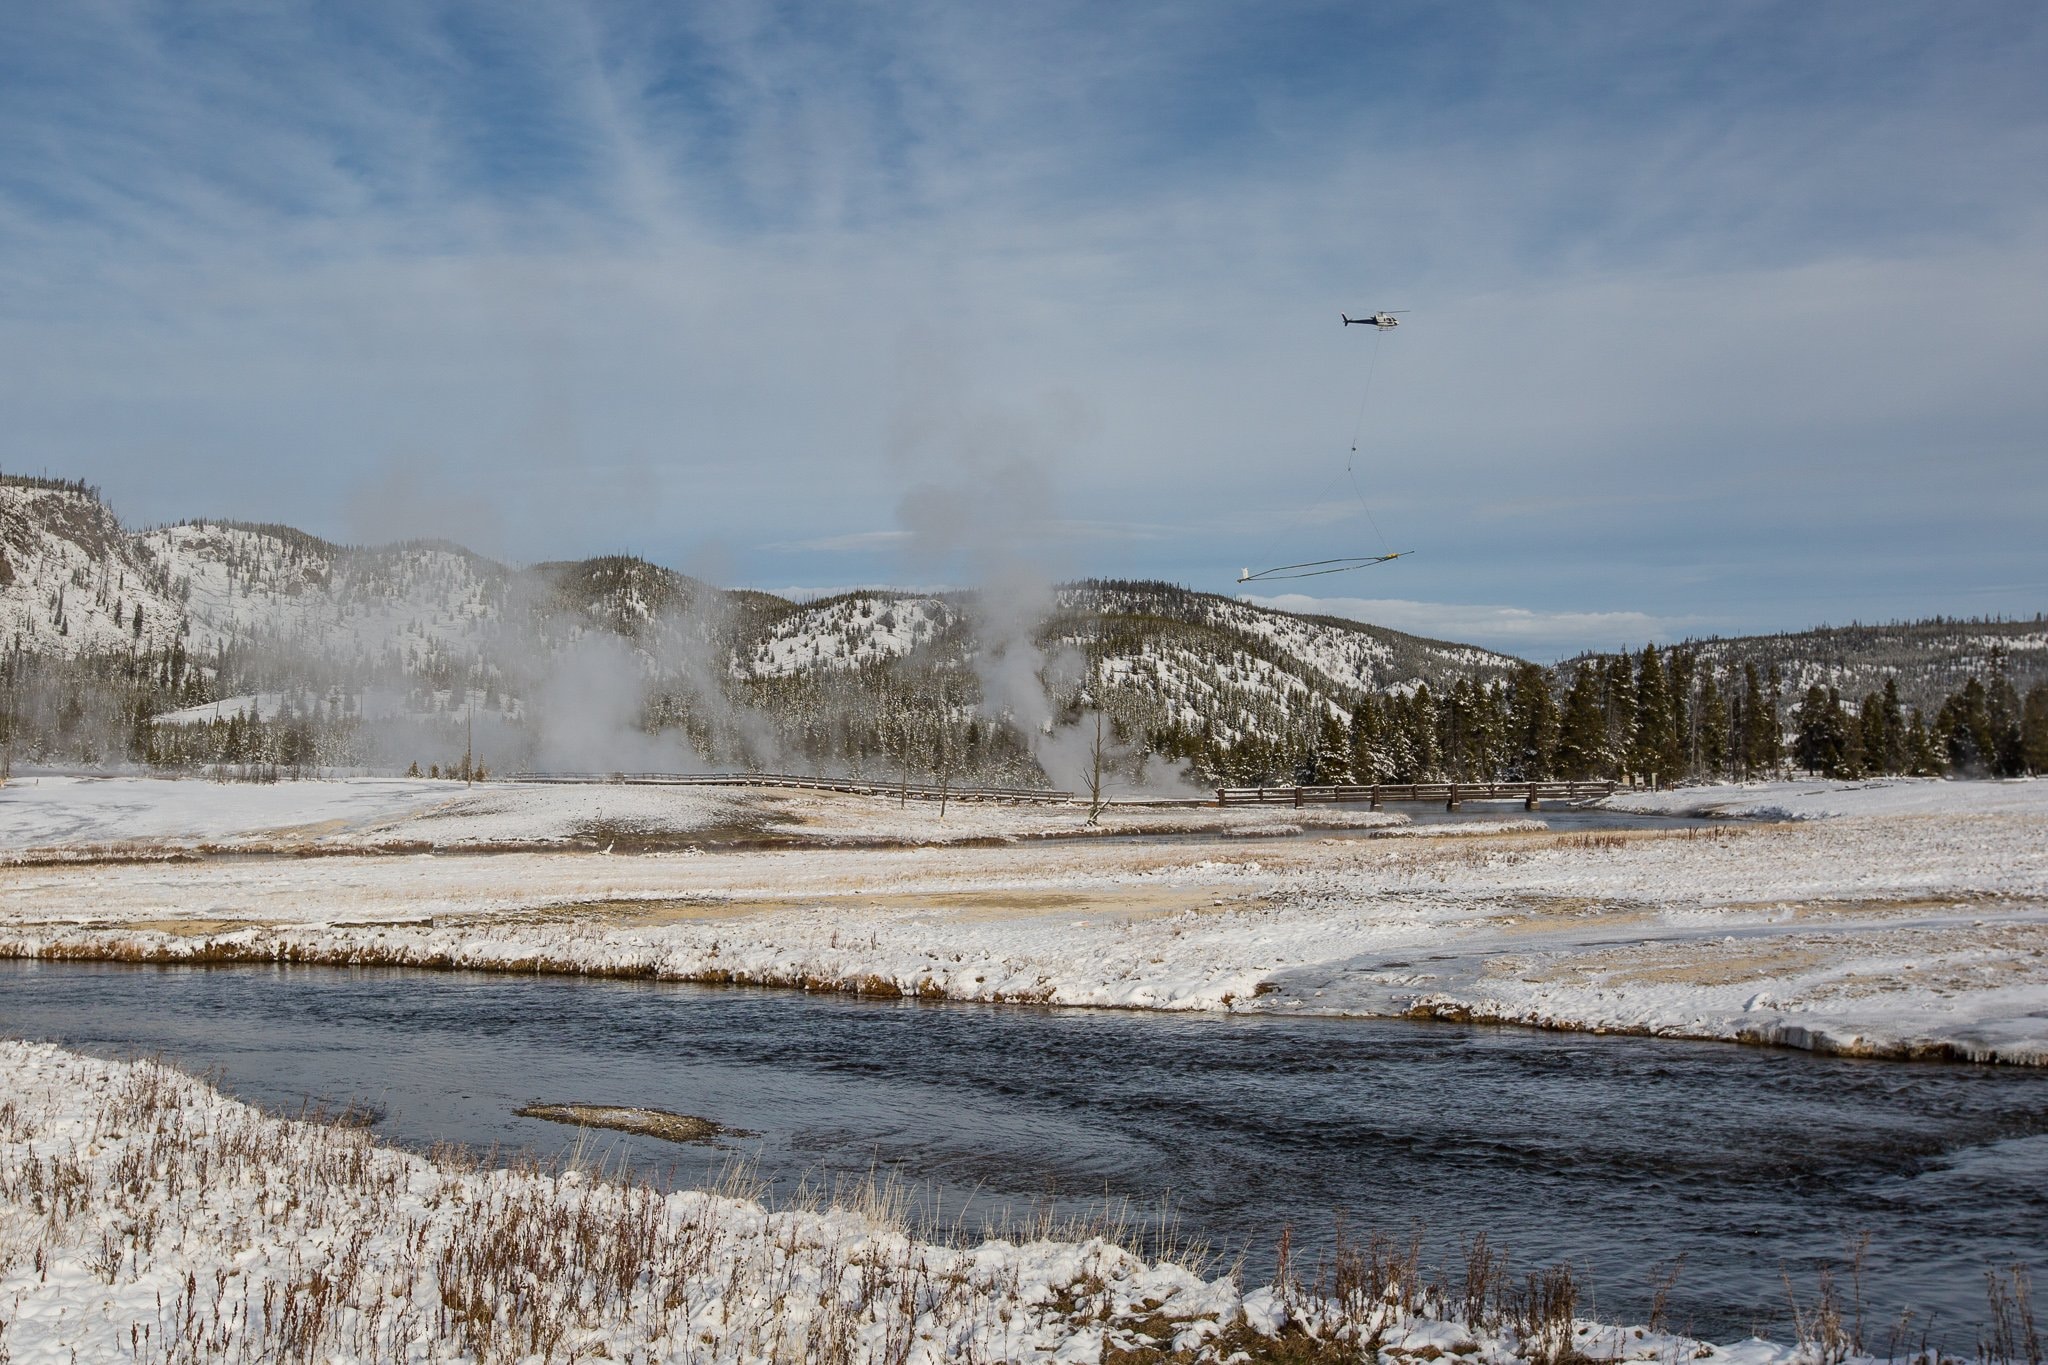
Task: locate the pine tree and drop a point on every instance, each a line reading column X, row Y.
column 1762, row 737
column 1713, row 727
column 1811, row 749
column 1653, row 742
column 1399, row 761
column 1582, row 735
column 1472, row 730
column 1895, row 756
column 1923, row 756
column 1738, row 734
column 2004, row 719
column 1869, row 732
column 1422, row 736
column 1330, row 761
column 2034, row 729
column 1532, row 725
column 1371, row 754
column 1454, row 726
column 1845, row 734
column 1682, row 670
column 1618, row 709
column 1963, row 729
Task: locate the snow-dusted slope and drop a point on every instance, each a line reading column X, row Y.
column 1324, row 653
column 72, row 581
column 847, row 632
column 269, row 586
column 1238, row 696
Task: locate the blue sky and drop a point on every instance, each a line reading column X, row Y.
column 1722, row 318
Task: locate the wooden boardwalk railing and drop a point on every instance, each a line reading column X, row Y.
column 1451, row 794
column 914, row 791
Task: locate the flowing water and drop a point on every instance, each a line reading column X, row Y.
column 1616, row 1154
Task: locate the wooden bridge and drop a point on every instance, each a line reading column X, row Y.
column 1452, row 794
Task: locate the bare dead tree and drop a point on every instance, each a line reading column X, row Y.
column 901, row 732
column 1098, row 762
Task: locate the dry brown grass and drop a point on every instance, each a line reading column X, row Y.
column 307, row 1241
column 296, row 1241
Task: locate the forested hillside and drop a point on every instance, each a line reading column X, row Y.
column 231, row 643
column 257, row 647
column 1926, row 660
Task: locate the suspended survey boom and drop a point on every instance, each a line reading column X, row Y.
column 1315, row 568
column 1382, row 322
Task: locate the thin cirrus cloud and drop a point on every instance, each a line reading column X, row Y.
column 1063, row 529
column 1539, row 635
column 1756, row 288
column 872, row 541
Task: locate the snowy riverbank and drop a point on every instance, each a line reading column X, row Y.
column 146, row 1216
column 1915, row 934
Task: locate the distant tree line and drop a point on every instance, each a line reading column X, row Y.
column 1664, row 715
column 1654, row 716
column 1983, row 729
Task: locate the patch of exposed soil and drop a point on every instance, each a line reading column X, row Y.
column 182, row 928
column 1110, row 902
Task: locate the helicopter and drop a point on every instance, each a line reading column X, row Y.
column 1385, row 320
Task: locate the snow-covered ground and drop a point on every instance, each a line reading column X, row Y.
column 83, row 813
column 1920, row 931
column 68, row 818
column 143, row 1215
column 1825, row 799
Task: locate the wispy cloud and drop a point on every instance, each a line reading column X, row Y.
column 642, row 274
column 812, row 592
column 856, row 540
column 1545, row 636
column 1067, row 529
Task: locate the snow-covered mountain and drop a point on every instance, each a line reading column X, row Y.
column 74, row 582
column 1162, row 658
column 285, row 626
column 396, row 649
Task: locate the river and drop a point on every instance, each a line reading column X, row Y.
column 1616, row 1154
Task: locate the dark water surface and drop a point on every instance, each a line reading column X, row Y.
column 1613, row 1153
